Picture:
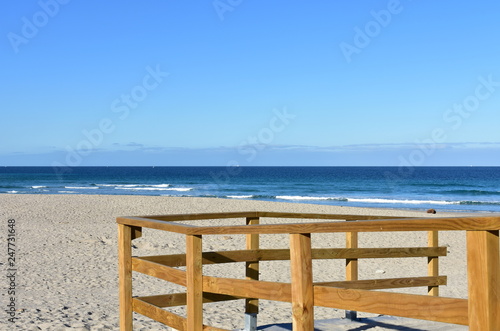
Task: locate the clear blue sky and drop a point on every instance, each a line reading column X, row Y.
column 250, row 82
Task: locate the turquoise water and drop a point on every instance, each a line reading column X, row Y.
column 445, row 188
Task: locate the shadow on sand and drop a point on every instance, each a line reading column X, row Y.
column 383, row 322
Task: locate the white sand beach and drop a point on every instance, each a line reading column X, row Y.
column 66, row 259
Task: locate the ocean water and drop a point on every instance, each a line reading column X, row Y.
column 441, row 188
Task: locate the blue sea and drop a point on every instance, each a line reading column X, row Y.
column 442, row 188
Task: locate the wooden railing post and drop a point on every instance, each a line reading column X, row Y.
column 351, row 268
column 302, row 282
column 194, row 282
column 433, row 262
column 126, row 234
column 252, row 272
column 483, row 272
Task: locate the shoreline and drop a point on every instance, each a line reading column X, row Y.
column 67, row 258
column 450, row 212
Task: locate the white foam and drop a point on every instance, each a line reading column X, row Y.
column 298, row 197
column 368, row 200
column 414, row 202
column 133, row 185
column 81, row 187
column 180, row 189
column 12, row 192
column 240, row 196
column 112, row 185
column 41, row 186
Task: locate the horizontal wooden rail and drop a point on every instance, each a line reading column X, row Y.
column 385, row 224
column 178, row 260
column 423, row 307
column 159, row 271
column 387, row 283
column 259, row 214
column 376, row 253
column 163, row 316
column 180, row 299
column 248, row 288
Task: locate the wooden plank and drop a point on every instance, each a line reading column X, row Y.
column 258, row 214
column 433, row 262
column 211, row 328
column 248, row 288
column 387, row 283
column 166, row 222
column 180, row 299
column 154, row 224
column 302, row 282
column 136, row 232
column 483, row 272
column 125, row 276
column 434, row 224
column 351, row 263
column 159, row 271
column 382, row 225
column 173, row 320
column 423, row 307
column 201, row 216
column 252, row 268
column 194, row 276
column 312, row 216
column 351, row 269
column 178, row 260
column 173, row 260
column 163, row 316
column 376, row 253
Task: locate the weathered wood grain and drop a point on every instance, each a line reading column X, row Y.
column 173, row 320
column 125, row 276
column 396, row 304
column 387, row 283
column 302, row 282
column 375, row 224
column 178, row 260
column 433, row 261
column 252, row 266
column 248, row 288
column 483, row 271
column 194, row 275
column 157, row 270
column 180, row 299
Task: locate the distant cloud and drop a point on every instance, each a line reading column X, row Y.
column 473, row 145
column 386, row 154
column 303, row 148
column 384, row 146
column 128, row 145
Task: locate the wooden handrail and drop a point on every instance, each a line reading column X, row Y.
column 380, row 224
column 253, row 255
column 479, row 311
